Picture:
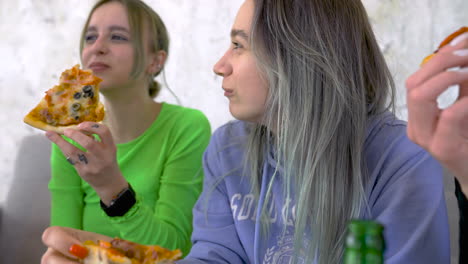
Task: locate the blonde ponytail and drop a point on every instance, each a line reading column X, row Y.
column 154, row 88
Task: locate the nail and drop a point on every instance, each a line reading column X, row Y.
column 462, row 52
column 459, row 39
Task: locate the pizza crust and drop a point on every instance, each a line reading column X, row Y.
column 39, row 124
column 44, row 126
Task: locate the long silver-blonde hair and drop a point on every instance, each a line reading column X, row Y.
column 327, row 77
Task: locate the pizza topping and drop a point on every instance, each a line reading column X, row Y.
column 76, row 107
column 77, row 95
column 78, row 251
column 87, row 89
column 90, row 95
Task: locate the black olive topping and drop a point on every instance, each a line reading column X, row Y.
column 76, row 106
column 89, row 94
column 87, row 89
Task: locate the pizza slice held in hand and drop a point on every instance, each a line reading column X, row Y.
column 74, row 100
column 120, row 251
column 445, row 42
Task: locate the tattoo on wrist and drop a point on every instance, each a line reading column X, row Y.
column 95, row 126
column 83, row 158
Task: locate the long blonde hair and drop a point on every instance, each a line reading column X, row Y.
column 327, row 77
column 140, row 17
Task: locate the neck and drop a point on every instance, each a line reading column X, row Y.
column 129, row 114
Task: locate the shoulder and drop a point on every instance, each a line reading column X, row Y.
column 184, row 117
column 227, row 142
column 231, row 133
column 186, row 113
column 386, row 134
column 391, row 156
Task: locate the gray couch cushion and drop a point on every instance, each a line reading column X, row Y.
column 25, row 213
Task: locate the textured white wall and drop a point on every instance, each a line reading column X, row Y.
column 39, row 39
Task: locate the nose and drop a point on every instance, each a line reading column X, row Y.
column 100, row 46
column 223, row 67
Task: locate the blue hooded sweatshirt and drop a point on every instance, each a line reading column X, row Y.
column 404, row 193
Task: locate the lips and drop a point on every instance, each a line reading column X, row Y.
column 98, row 67
column 228, row 92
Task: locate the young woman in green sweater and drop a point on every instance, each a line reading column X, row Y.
column 141, row 178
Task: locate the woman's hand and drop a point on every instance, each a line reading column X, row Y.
column 98, row 164
column 442, row 132
column 59, row 240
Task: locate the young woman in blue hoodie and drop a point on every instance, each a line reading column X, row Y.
column 314, row 146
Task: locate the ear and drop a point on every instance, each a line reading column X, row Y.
column 156, row 62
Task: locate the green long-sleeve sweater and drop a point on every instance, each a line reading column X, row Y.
column 163, row 166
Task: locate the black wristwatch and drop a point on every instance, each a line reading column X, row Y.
column 121, row 204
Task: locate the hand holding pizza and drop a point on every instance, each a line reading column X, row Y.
column 443, row 132
column 60, row 240
column 68, row 245
column 97, row 165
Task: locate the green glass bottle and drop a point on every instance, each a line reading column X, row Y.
column 364, row 243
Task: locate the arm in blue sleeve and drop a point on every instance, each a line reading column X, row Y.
column 215, row 238
column 409, row 201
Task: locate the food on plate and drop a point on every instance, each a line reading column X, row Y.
column 74, row 100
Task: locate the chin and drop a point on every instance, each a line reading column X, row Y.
column 243, row 115
column 246, row 117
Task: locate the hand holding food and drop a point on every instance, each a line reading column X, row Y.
column 443, row 132
column 120, row 251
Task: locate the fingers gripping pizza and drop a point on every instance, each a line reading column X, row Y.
column 74, row 100
column 120, row 251
column 446, row 41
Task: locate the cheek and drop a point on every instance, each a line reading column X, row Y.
column 126, row 53
column 257, row 86
column 85, row 56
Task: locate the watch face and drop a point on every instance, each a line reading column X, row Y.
column 122, row 204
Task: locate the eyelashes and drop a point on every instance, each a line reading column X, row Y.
column 113, row 37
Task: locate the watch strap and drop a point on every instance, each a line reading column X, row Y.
column 121, row 204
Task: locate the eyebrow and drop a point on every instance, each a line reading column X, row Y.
column 239, row 32
column 111, row 28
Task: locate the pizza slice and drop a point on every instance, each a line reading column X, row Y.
column 120, row 251
column 446, row 41
column 74, row 100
